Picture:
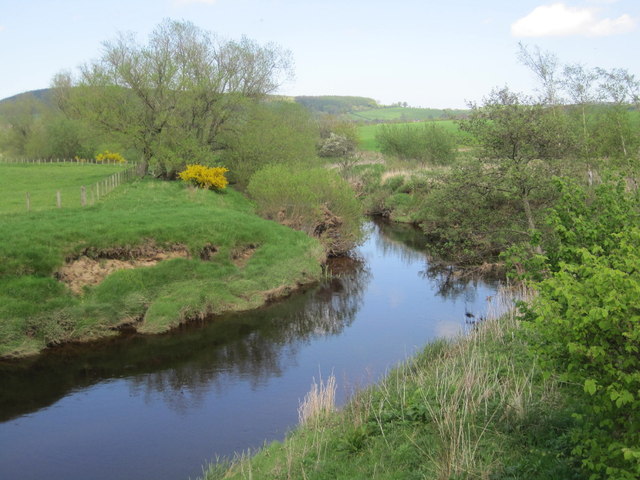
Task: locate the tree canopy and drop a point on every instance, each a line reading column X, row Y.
column 171, row 97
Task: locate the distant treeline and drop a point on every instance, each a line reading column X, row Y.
column 336, row 105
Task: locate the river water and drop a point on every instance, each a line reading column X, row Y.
column 163, row 406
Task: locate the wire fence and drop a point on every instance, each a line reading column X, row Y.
column 78, row 161
column 88, row 194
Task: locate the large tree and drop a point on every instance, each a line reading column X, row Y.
column 171, row 97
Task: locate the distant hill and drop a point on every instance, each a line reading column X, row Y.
column 336, row 105
column 358, row 109
column 43, row 94
column 363, row 109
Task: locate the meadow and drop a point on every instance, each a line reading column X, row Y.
column 408, row 114
column 217, row 255
column 367, row 133
column 42, row 181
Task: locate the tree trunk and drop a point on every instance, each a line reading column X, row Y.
column 530, row 221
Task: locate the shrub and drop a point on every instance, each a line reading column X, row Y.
column 317, row 201
column 427, row 143
column 108, row 156
column 587, row 321
column 205, row 177
column 336, row 146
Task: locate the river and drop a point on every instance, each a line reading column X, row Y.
column 162, row 406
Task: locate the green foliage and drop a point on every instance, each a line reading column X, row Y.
column 338, row 138
column 174, row 95
column 428, row 143
column 316, row 200
column 589, row 219
column 34, row 129
column 586, row 321
column 514, row 127
column 277, row 132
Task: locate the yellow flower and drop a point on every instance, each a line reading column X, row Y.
column 205, row 177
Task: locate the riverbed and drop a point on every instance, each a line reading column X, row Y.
column 163, row 406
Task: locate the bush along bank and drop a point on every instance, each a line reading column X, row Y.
column 150, row 256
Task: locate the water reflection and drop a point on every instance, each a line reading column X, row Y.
column 183, row 366
column 409, row 243
column 164, row 405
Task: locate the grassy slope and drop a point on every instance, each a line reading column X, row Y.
column 476, row 407
column 37, row 310
column 42, row 182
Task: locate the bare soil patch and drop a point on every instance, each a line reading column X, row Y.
column 241, row 255
column 94, row 265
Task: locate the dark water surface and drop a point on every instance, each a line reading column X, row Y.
column 160, row 407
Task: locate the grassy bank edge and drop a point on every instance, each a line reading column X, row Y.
column 476, row 406
column 202, row 288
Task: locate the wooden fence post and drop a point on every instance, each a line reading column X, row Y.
column 28, row 202
column 83, row 195
column 59, row 199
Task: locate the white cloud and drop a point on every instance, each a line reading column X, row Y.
column 561, row 20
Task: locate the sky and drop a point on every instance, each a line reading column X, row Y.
column 439, row 54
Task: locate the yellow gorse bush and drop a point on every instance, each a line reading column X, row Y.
column 108, row 156
column 205, row 177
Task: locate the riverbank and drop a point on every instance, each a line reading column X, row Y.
column 473, row 407
column 148, row 257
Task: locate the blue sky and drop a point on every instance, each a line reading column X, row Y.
column 427, row 53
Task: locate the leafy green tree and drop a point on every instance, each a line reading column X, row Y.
column 545, row 66
column 338, row 138
column 617, row 137
column 20, row 117
column 182, row 88
column 520, row 143
column 271, row 132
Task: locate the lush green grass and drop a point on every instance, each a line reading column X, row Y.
column 477, row 407
column 37, row 310
column 407, row 114
column 43, row 180
column 367, row 133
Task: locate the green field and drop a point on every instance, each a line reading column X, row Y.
column 367, row 133
column 407, row 114
column 235, row 260
column 42, row 181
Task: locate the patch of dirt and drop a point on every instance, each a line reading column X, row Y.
column 94, row 265
column 240, row 256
